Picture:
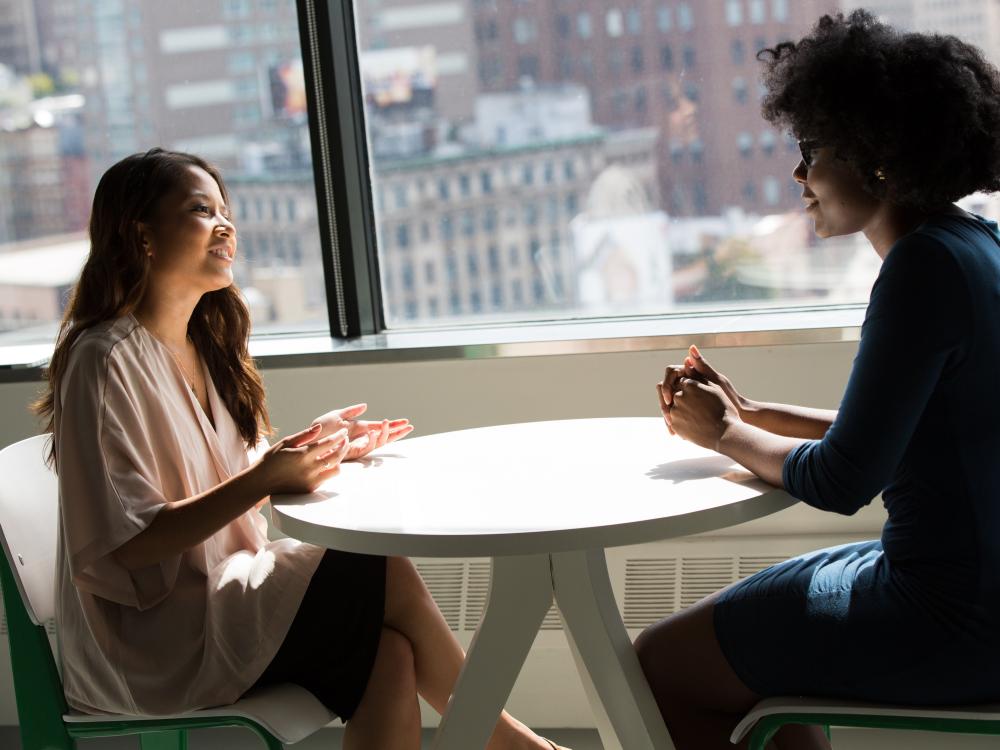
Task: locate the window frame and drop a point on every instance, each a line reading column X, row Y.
column 344, row 199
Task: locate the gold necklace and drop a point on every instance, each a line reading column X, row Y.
column 187, row 375
column 177, row 359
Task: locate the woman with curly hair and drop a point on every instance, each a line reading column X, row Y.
column 170, row 597
column 893, row 128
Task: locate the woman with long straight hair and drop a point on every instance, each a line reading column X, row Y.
column 170, row 596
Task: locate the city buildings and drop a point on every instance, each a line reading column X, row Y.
column 685, row 68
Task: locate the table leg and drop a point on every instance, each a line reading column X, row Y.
column 520, row 595
column 624, row 708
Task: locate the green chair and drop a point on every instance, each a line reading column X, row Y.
column 280, row 714
column 768, row 716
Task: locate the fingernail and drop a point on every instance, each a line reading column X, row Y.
column 695, row 352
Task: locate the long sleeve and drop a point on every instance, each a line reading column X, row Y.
column 913, row 334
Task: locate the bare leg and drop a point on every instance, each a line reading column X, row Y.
column 388, row 716
column 698, row 693
column 438, row 656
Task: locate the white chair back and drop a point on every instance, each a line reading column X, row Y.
column 29, row 523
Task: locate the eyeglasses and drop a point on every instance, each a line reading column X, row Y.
column 808, row 149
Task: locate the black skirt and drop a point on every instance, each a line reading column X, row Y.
column 330, row 647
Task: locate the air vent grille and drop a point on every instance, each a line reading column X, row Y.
column 479, row 588
column 650, row 590
column 701, row 576
column 750, row 565
column 445, row 581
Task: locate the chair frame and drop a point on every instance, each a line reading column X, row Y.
column 41, row 704
column 767, row 726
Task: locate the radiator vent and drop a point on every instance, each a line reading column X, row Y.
column 445, row 581
column 650, row 590
column 478, row 590
column 750, row 565
column 701, row 576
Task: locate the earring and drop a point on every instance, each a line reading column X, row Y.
column 880, row 174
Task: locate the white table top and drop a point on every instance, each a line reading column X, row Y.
column 525, row 489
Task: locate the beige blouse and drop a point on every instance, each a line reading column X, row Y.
column 193, row 631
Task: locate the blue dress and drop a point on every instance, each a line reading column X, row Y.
column 914, row 617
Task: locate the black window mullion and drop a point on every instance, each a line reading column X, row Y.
column 340, row 166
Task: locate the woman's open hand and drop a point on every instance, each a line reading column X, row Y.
column 301, row 462
column 697, row 411
column 363, row 436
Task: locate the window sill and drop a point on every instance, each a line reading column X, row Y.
column 734, row 328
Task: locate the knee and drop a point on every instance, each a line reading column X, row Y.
column 653, row 647
column 404, row 588
column 396, row 661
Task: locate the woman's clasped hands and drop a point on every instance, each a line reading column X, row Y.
column 698, row 403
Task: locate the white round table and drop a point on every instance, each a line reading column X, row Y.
column 544, row 500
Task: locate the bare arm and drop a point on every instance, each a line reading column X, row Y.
column 182, row 524
column 786, row 419
column 290, row 465
column 761, row 451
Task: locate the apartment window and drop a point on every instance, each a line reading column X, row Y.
column 640, row 100
column 666, row 57
column 740, row 90
column 525, row 30
column 664, row 18
column 772, row 190
column 489, row 220
column 468, row 224
column 564, row 26
column 734, row 12
column 403, row 236
column 638, row 62
column 779, row 10
column 697, row 149
column 737, row 51
column 689, row 57
column 744, row 142
column 633, row 21
column 614, row 22
column 685, row 17
column 767, row 142
column 584, row 27
column 758, row 13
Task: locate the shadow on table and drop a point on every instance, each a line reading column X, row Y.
column 706, row 467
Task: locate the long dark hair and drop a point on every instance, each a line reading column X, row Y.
column 114, row 279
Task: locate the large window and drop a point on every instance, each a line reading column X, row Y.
column 415, row 163
column 644, row 182
column 83, row 84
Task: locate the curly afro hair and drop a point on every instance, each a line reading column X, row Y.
column 917, row 115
